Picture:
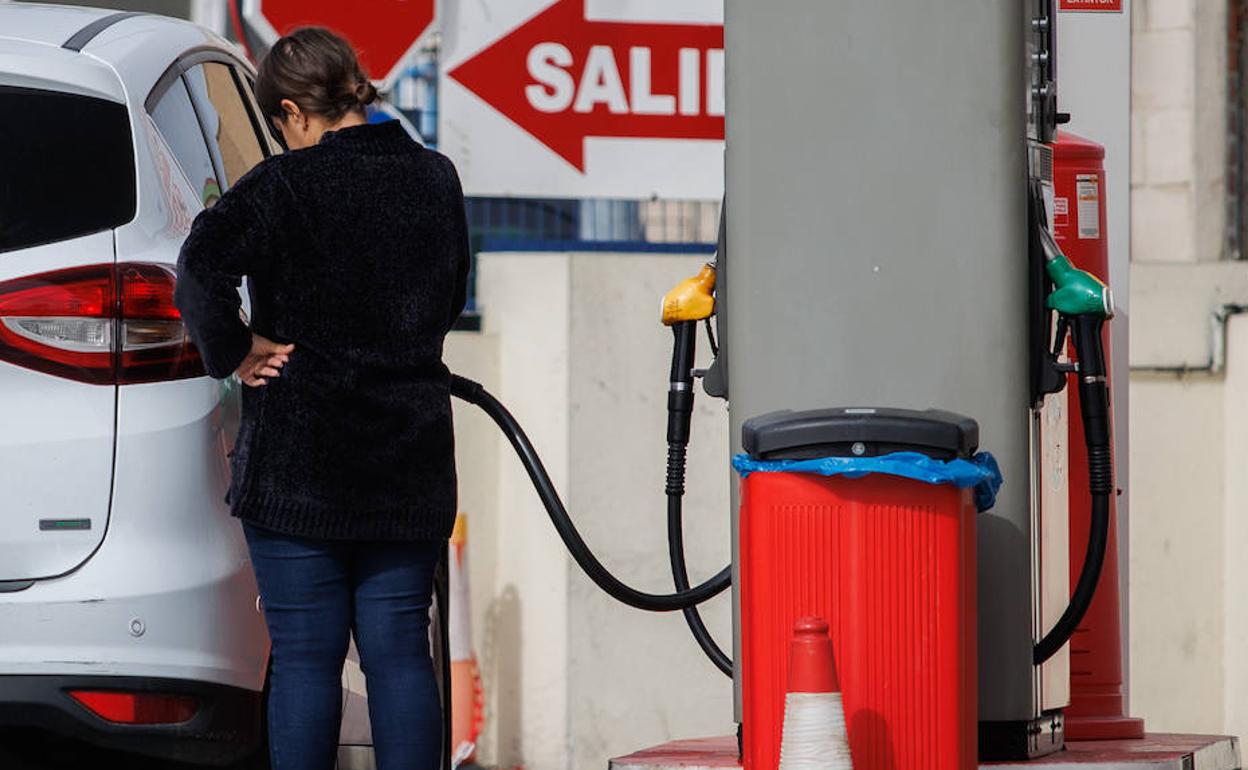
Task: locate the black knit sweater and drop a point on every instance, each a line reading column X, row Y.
column 356, row 251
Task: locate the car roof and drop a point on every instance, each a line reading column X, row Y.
column 50, row 24
column 72, row 42
column 28, row 64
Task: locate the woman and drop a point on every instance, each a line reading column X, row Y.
column 355, row 248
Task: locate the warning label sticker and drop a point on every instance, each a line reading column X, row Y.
column 1088, row 205
column 1103, row 6
column 1061, row 214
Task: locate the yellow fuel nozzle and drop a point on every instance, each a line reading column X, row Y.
column 693, row 299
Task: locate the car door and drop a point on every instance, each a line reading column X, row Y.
column 67, row 179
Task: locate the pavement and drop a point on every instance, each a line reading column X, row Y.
column 30, row 750
column 1153, row 752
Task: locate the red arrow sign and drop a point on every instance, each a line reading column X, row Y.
column 563, row 78
column 382, row 31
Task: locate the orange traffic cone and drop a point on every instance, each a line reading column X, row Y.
column 467, row 698
column 814, row 736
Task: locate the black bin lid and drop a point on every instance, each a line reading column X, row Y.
column 863, row 431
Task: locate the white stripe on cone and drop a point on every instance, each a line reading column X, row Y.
column 814, row 735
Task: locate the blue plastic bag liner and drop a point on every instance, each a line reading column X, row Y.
column 980, row 472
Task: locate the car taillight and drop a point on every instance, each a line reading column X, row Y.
column 155, row 344
column 138, row 708
column 104, row 324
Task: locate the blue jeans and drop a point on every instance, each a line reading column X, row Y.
column 315, row 594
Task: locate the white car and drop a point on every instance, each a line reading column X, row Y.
column 129, row 615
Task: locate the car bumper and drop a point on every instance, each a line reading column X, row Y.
column 143, row 622
column 226, row 728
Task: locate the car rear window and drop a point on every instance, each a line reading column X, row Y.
column 66, row 166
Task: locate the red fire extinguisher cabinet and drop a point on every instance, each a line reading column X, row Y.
column 889, row 562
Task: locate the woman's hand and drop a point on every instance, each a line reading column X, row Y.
column 265, row 360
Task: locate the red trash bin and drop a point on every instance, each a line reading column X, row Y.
column 888, row 561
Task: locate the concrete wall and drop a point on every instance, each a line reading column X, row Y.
column 1189, row 382
column 573, row 346
column 1176, row 562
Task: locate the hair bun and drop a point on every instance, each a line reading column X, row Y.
column 365, row 92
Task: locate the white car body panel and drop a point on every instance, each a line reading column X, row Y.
column 39, row 65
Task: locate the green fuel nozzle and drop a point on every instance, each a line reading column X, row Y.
column 1076, row 292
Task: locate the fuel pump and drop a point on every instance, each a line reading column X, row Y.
column 888, row 356
column 1082, row 303
column 1022, row 712
column 1065, row 302
column 1097, row 704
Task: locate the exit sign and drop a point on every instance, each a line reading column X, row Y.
column 1098, row 6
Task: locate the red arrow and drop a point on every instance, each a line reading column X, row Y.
column 563, row 78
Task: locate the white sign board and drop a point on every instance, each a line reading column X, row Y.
column 584, row 98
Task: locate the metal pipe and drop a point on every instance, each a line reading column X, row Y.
column 1217, row 347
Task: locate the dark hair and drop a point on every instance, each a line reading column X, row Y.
column 317, row 70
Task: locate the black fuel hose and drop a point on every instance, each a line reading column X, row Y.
column 1085, row 589
column 473, row 393
column 680, row 398
column 1094, row 407
column 680, row 570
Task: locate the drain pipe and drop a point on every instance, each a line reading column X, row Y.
column 1217, row 325
column 1217, row 353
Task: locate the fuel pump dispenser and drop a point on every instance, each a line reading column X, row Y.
column 1063, row 302
column 1083, row 304
column 972, row 320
